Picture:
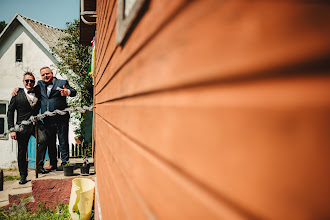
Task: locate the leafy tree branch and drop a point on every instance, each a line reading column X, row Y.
column 74, row 60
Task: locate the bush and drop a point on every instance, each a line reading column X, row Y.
column 61, row 212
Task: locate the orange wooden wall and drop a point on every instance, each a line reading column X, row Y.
column 214, row 109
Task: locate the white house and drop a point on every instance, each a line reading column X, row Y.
column 24, row 45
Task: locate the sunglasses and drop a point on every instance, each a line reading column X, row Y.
column 30, row 80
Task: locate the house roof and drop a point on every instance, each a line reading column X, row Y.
column 47, row 35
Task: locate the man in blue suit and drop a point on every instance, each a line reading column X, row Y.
column 53, row 96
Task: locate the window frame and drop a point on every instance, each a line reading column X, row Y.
column 19, row 59
column 124, row 22
column 4, row 137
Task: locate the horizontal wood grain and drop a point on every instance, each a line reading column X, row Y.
column 111, row 204
column 133, row 205
column 214, row 110
column 206, row 42
column 103, row 45
column 104, row 11
column 168, row 194
column 163, row 11
column 264, row 144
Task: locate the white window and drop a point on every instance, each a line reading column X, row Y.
column 3, row 119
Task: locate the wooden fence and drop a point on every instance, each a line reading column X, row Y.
column 76, row 150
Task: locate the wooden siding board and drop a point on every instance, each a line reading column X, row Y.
column 99, row 9
column 109, row 200
column 135, row 207
column 100, row 27
column 281, row 125
column 204, row 43
column 163, row 11
column 106, row 200
column 120, row 202
column 110, row 196
column 168, row 194
column 103, row 19
column 191, row 106
column 101, row 23
column 109, row 49
column 108, row 28
column 102, row 14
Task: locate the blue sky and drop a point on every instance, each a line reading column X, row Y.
column 52, row 12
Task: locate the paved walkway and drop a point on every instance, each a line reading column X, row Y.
column 14, row 188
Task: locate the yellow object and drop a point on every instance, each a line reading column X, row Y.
column 81, row 198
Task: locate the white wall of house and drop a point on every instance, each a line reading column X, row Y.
column 11, row 75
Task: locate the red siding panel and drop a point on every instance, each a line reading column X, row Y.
column 219, row 135
column 168, row 194
column 214, row 110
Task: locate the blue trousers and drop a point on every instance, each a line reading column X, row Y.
column 61, row 129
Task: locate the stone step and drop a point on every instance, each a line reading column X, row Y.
column 13, row 188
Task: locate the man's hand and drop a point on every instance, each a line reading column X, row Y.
column 14, row 93
column 64, row 91
column 13, row 135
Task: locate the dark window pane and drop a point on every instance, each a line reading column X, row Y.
column 2, row 126
column 19, row 52
column 2, row 108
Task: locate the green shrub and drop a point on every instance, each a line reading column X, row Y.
column 61, row 212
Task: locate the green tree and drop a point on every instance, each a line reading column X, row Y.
column 74, row 60
column 2, row 25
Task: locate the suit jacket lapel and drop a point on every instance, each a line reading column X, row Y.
column 31, row 102
column 25, row 99
column 55, row 85
column 43, row 89
column 34, row 101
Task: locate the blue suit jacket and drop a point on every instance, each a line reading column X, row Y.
column 55, row 100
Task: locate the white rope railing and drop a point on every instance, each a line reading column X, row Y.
column 34, row 119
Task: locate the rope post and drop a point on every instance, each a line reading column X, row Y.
column 72, row 150
column 58, row 151
column 36, row 135
column 1, row 180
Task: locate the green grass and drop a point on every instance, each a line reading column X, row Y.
column 12, row 169
column 10, row 178
column 61, row 212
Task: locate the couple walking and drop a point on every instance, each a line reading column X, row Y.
column 48, row 95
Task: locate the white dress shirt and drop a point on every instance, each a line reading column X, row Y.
column 49, row 89
column 30, row 95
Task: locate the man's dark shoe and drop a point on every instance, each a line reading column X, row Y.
column 60, row 168
column 23, row 181
column 50, row 168
column 43, row 171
